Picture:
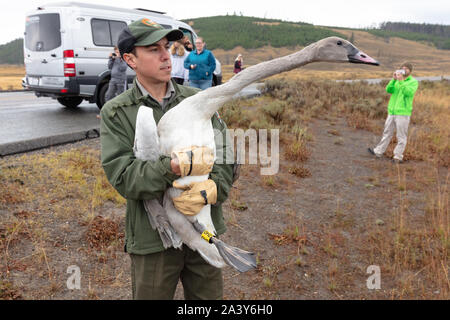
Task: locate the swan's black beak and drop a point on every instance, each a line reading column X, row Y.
column 357, row 56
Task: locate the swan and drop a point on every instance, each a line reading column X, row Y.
column 189, row 124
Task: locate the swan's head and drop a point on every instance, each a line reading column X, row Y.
column 335, row 49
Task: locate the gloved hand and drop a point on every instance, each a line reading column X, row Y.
column 195, row 196
column 194, row 161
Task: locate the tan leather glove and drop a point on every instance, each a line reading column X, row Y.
column 196, row 196
column 194, row 161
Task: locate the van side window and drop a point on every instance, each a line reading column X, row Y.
column 106, row 32
column 116, row 27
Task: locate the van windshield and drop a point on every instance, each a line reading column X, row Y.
column 42, row 32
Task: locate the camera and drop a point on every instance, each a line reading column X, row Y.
column 114, row 54
column 400, row 71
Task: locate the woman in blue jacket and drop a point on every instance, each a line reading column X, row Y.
column 201, row 64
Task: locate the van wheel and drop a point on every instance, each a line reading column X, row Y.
column 101, row 97
column 70, row 102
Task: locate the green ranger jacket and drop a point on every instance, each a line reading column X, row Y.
column 138, row 180
column 402, row 96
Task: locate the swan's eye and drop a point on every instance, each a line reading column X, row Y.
column 339, row 43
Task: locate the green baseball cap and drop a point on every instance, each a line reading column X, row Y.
column 144, row 32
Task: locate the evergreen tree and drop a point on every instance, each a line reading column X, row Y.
column 12, row 52
column 436, row 34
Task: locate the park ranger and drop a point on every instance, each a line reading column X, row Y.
column 155, row 271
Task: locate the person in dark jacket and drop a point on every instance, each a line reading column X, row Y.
column 238, row 64
column 155, row 271
column 118, row 80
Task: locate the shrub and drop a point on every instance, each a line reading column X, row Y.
column 358, row 120
column 275, row 110
column 297, row 151
column 102, row 232
column 234, row 116
column 299, row 171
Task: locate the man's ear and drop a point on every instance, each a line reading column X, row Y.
column 130, row 59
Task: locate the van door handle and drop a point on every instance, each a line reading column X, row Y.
column 53, row 55
column 44, row 61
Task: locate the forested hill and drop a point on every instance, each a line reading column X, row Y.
column 432, row 29
column 228, row 32
column 437, row 34
column 12, row 52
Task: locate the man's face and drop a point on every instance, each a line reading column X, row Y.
column 152, row 62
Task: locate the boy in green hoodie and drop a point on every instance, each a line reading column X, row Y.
column 402, row 89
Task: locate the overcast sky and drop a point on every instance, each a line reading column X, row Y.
column 348, row 13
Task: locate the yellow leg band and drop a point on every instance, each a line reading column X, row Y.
column 207, row 235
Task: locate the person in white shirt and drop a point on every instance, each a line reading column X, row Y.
column 178, row 54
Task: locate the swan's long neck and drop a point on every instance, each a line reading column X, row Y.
column 252, row 74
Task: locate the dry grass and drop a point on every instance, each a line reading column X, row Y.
column 47, row 202
column 11, row 77
column 102, row 232
column 299, row 171
column 430, row 131
column 45, row 181
column 414, row 250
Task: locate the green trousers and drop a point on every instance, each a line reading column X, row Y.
column 155, row 276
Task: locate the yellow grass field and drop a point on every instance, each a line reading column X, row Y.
column 11, row 77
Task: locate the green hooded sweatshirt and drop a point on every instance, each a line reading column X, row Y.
column 138, row 180
column 402, row 96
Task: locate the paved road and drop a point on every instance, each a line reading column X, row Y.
column 28, row 122
column 376, row 81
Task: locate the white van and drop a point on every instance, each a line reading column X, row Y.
column 66, row 48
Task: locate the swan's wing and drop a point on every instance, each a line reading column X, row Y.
column 187, row 232
column 215, row 252
column 146, row 147
column 146, row 140
column 159, row 221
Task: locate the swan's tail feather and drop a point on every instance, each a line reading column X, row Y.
column 239, row 259
column 158, row 221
